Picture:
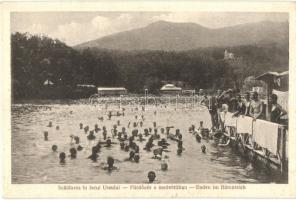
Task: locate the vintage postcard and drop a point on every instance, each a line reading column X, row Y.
column 148, row 99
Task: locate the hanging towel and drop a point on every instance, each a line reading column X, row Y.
column 229, row 120
column 265, row 134
column 244, row 124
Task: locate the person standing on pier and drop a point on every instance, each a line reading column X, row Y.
column 211, row 104
column 276, row 111
column 256, row 107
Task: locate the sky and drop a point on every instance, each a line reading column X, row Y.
column 77, row 27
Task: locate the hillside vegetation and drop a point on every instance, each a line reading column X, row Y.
column 39, row 58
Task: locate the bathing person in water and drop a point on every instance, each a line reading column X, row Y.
column 54, row 148
column 62, row 157
column 81, row 126
column 49, row 124
column 73, row 153
column 203, row 148
column 77, row 140
column 164, row 166
column 79, row 148
column 110, row 163
column 256, row 107
column 151, row 176
column 91, row 136
column 94, row 156
column 137, row 158
column 45, row 136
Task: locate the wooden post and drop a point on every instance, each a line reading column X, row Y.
column 284, row 163
column 268, row 93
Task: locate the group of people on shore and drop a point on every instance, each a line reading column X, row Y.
column 248, row 105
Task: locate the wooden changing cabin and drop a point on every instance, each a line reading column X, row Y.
column 262, row 141
column 111, row 91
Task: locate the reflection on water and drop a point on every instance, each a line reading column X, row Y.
column 34, row 162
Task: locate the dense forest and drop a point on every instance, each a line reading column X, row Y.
column 36, row 59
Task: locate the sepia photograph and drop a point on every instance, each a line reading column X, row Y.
column 149, row 97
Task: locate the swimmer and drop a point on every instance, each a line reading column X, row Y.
column 81, row 126
column 163, row 143
column 197, row 137
column 45, row 136
column 126, row 148
column 179, row 151
column 154, row 124
column 79, row 148
column 180, row 137
column 141, row 139
column 177, row 132
column 135, row 124
column 131, row 156
column 109, row 115
column 91, row 136
column 101, row 118
column 62, row 157
column 77, row 139
column 135, row 132
column 136, row 117
column 105, row 134
column 143, row 118
column 110, row 163
column 85, row 129
column 164, row 166
column 137, row 149
column 57, row 128
column 49, row 124
column 151, row 176
column 73, row 153
column 146, row 133
column 162, row 130
column 94, row 156
column 118, row 122
column 98, row 146
column 54, row 148
column 121, row 145
column 97, row 129
column 157, row 153
column 203, row 148
column 150, row 130
column 180, row 144
column 123, row 130
column 108, row 143
column 128, row 125
column 136, row 158
column 141, row 124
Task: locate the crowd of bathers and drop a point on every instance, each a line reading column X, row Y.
column 155, row 140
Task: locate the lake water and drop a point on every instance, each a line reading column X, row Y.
column 34, row 162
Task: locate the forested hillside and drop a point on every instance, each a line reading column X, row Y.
column 36, row 59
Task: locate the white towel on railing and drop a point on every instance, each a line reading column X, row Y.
column 244, row 124
column 265, row 134
column 229, row 120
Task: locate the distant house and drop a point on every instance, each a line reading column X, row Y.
column 170, row 89
column 48, row 82
column 228, row 55
column 110, row 91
